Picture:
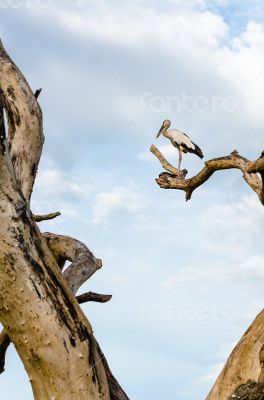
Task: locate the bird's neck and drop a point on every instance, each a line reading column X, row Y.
column 165, row 132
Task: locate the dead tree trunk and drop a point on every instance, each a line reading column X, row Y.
column 38, row 308
column 243, row 373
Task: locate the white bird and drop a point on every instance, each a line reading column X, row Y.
column 179, row 140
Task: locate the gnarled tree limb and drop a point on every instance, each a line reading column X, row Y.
column 25, row 132
column 234, row 160
column 83, row 263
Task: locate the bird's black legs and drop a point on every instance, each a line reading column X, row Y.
column 179, row 163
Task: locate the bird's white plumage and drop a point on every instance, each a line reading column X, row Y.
column 179, row 138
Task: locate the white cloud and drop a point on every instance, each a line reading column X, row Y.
column 242, row 64
column 195, row 52
column 228, row 236
column 137, row 26
column 57, row 191
column 188, row 36
column 53, row 181
column 118, row 200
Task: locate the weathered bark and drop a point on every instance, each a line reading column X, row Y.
column 38, row 309
column 84, row 265
column 63, row 248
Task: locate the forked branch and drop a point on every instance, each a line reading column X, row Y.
column 250, row 170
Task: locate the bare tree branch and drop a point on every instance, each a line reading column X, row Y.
column 84, row 263
column 46, row 217
column 234, row 160
column 90, row 296
column 25, row 132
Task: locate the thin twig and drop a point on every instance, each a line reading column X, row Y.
column 90, row 296
column 39, row 218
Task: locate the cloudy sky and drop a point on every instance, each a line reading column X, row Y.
column 187, row 278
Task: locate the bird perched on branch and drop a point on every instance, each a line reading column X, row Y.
column 179, row 140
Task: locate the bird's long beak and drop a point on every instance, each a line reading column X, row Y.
column 161, row 129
